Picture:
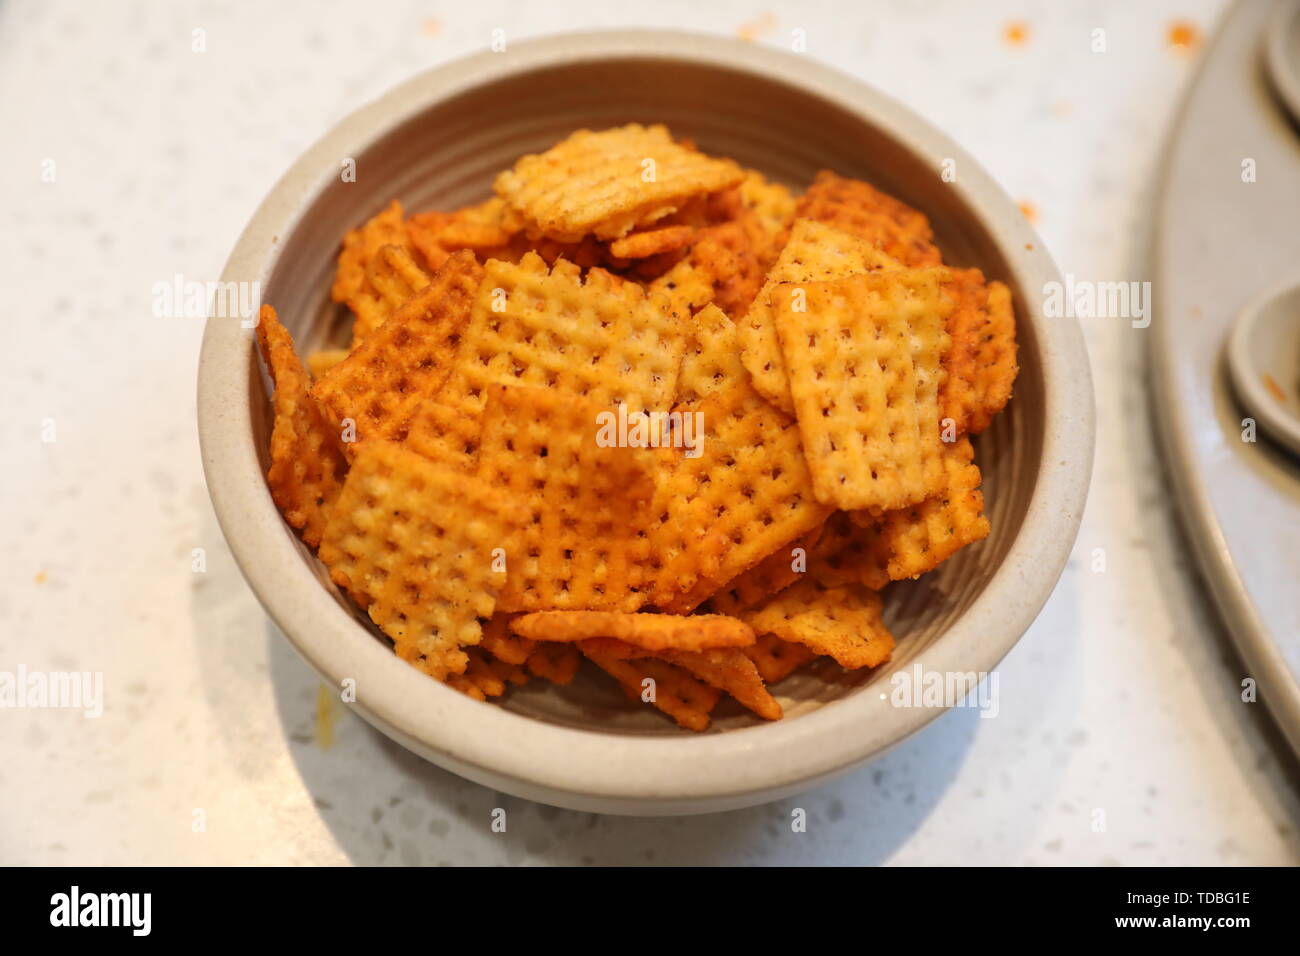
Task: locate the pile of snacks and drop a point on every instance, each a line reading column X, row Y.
column 643, row 408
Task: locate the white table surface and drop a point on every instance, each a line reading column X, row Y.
column 1124, row 696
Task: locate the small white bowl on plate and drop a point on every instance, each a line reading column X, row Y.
column 435, row 142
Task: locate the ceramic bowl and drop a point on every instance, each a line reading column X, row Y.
column 435, row 142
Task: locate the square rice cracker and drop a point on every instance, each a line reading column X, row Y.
column 395, row 277
column 727, row 668
column 861, row 210
column 982, row 361
column 776, row 659
column 417, row 544
column 489, row 229
column 382, row 382
column 360, row 245
column 486, row 675
column 724, row 265
column 778, row 570
column 652, row 632
column 586, row 496
column 307, row 463
column 844, row 623
column 601, row 338
column 716, row 515
column 669, row 688
column 813, row 252
column 865, row 359
column 610, row 182
column 919, row 538
column 852, row 551
column 557, row 663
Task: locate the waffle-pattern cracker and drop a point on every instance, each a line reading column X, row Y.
column 776, row 659
column 579, row 548
column 727, row 668
column 382, row 382
column 610, row 182
column 865, row 359
column 416, row 542
column 813, row 252
column 601, row 338
column 861, row 210
column 307, row 463
column 981, row 364
column 844, row 623
column 672, row 690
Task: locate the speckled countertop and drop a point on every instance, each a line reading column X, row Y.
column 1123, row 698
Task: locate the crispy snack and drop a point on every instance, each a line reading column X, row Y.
column 654, row 632
column 395, row 278
column 776, row 659
column 489, row 229
column 611, row 182
column 381, row 384
column 814, row 252
column 778, row 570
column 322, row 360
column 982, row 361
column 865, row 357
column 773, row 207
column 651, row 242
column 855, row 207
column 556, row 663
column 711, row 360
column 844, row 623
column 852, row 551
column 920, row 538
column 417, row 543
column 602, row 338
column 724, row 265
column 726, row 668
column 307, row 462
column 585, row 499
column 504, row 644
column 748, row 493
column 486, row 676
column 360, row 246
column 666, row 686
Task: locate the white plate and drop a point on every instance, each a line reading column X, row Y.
column 1220, row 241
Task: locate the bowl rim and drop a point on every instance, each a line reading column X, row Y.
column 604, row 770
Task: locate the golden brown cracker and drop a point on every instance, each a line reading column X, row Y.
column 981, row 364
column 651, row 242
column 601, row 338
column 861, row 210
column 917, row 539
column 559, row 454
column 663, row 685
column 307, row 463
column 381, row 384
column 420, row 544
column 844, row 623
column 865, row 360
column 776, row 659
column 610, row 182
column 557, row 663
column 359, row 247
column 729, row 669
column 813, row 252
column 486, row 675
column 778, row 570
column 747, row 492
column 503, row 643
column 654, row 632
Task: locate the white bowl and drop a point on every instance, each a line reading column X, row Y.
column 435, row 142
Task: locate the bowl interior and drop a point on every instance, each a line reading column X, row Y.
column 447, row 155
